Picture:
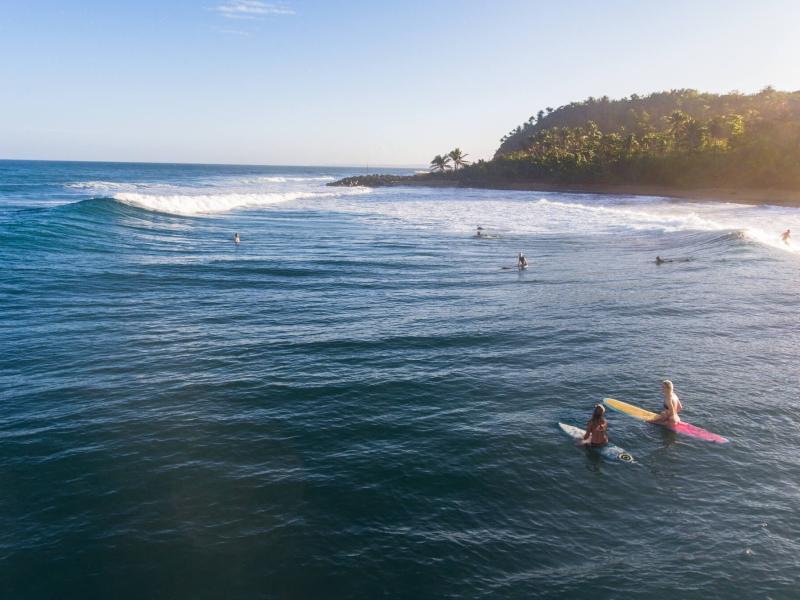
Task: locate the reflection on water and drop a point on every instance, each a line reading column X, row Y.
column 359, row 399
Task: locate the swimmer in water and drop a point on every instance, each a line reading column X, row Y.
column 236, row 239
column 661, row 261
column 522, row 262
column 672, row 406
column 596, row 429
column 785, row 236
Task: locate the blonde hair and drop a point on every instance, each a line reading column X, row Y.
column 670, row 391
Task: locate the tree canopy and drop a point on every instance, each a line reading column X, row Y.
column 680, row 137
column 455, row 159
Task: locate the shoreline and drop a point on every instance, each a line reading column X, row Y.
column 758, row 197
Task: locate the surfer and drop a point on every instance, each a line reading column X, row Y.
column 522, row 262
column 672, row 405
column 480, row 231
column 785, row 236
column 661, row 261
column 596, row 429
column 236, row 239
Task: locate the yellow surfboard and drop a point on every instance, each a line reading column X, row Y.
column 630, row 409
column 682, row 427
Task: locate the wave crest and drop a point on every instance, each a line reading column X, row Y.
column 278, row 179
column 102, row 185
column 208, row 204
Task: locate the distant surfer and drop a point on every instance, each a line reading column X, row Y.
column 522, row 262
column 596, row 429
column 480, row 231
column 672, row 405
column 661, row 261
column 236, row 239
column 785, row 236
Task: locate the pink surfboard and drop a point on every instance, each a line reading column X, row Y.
column 682, row 427
column 698, row 432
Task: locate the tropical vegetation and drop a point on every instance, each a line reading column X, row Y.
column 442, row 162
column 677, row 138
column 457, row 156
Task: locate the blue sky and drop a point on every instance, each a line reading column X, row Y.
column 353, row 82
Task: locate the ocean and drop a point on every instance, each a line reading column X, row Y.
column 361, row 400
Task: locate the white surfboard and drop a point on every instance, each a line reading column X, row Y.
column 609, row 451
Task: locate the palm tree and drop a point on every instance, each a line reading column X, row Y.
column 678, row 122
column 696, row 135
column 440, row 163
column 458, row 158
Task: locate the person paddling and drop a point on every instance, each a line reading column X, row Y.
column 596, row 429
column 672, row 405
column 522, row 262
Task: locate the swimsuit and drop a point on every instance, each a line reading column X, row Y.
column 600, row 428
column 677, row 402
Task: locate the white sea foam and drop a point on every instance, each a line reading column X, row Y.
column 207, row 204
column 184, row 204
column 321, row 178
column 266, row 179
column 118, row 186
column 227, row 181
column 102, row 185
column 460, row 211
column 216, row 194
column 767, row 238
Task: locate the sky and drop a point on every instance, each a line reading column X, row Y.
column 345, row 82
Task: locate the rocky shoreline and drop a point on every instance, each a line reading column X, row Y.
column 771, row 197
column 422, row 179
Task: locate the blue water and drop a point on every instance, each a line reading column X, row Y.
column 358, row 402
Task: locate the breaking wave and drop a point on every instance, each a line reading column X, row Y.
column 519, row 214
column 108, row 185
column 279, row 179
column 459, row 211
column 207, row 204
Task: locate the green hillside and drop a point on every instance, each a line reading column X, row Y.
column 676, row 138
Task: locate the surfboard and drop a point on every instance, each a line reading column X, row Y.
column 682, row 427
column 609, row 451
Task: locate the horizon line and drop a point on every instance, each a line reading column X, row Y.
column 219, row 164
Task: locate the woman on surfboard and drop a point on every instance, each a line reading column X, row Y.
column 672, row 405
column 596, row 429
